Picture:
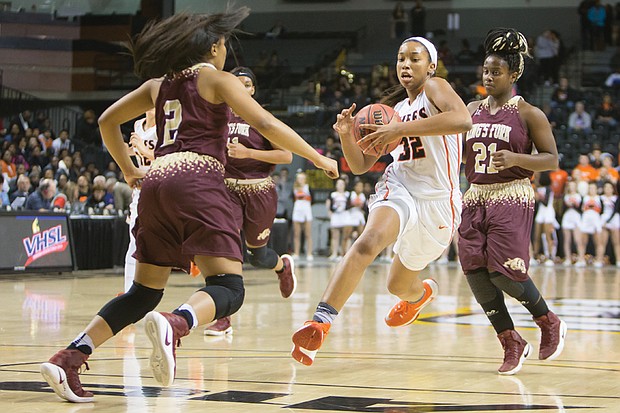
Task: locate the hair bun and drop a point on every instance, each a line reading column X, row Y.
column 505, row 40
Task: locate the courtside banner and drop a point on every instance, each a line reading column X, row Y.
column 35, row 241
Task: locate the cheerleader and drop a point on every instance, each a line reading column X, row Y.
column 591, row 224
column 571, row 222
column 339, row 219
column 302, row 215
column 610, row 220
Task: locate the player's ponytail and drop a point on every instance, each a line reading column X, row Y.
column 181, row 41
column 509, row 44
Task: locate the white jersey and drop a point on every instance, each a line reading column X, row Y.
column 149, row 137
column 428, row 166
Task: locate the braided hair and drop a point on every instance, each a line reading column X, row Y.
column 508, row 44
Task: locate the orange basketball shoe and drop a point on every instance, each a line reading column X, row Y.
column 308, row 340
column 61, row 373
column 194, row 271
column 405, row 313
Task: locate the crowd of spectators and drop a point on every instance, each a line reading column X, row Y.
column 43, row 168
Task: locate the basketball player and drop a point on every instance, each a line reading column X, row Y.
column 141, row 145
column 494, row 235
column 417, row 203
column 250, row 162
column 184, row 211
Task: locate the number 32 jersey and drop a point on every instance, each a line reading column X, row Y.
column 428, row 166
column 490, row 133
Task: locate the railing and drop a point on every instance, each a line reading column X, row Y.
column 14, row 101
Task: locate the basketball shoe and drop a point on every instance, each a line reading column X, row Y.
column 165, row 331
column 61, row 373
column 286, row 276
column 553, row 330
column 221, row 327
column 194, row 271
column 405, row 313
column 516, row 350
column 308, row 340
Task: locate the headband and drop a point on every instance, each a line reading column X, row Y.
column 430, row 47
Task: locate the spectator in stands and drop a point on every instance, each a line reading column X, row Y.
column 607, row 169
column 564, row 96
column 309, row 96
column 18, row 151
column 580, row 120
column 23, row 120
column 466, row 56
column 87, row 130
column 584, row 173
column 46, row 138
column 359, row 96
column 9, row 169
column 41, row 199
column 61, row 142
column 547, row 53
column 122, row 196
column 418, row 19
column 613, row 80
column 83, row 186
column 13, row 133
column 596, row 156
column 112, row 170
column 4, row 195
column 552, row 116
column 445, row 54
column 96, row 203
column 596, row 17
column 19, row 197
column 332, row 148
column 606, row 113
column 399, row 21
column 584, row 23
column 35, row 176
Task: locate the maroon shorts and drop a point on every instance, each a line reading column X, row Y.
column 495, row 228
column 185, row 210
column 255, row 206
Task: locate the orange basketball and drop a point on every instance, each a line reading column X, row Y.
column 378, row 114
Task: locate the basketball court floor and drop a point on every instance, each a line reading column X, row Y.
column 444, row 362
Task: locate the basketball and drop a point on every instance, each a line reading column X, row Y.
column 378, row 114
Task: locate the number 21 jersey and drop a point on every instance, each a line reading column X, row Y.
column 503, row 130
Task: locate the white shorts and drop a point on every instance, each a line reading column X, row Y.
column 546, row 215
column 591, row 222
column 426, row 226
column 356, row 217
column 302, row 211
column 571, row 219
column 339, row 219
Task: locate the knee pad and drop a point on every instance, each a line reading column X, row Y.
column 130, row 307
column 227, row 292
column 481, row 286
column 263, row 257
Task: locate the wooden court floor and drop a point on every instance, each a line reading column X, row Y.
column 444, row 362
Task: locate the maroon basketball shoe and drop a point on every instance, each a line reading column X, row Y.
column 516, row 351
column 553, row 330
column 61, row 373
column 286, row 276
column 221, row 327
column 165, row 331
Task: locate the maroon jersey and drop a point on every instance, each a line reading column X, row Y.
column 186, row 122
column 491, row 133
column 249, row 137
